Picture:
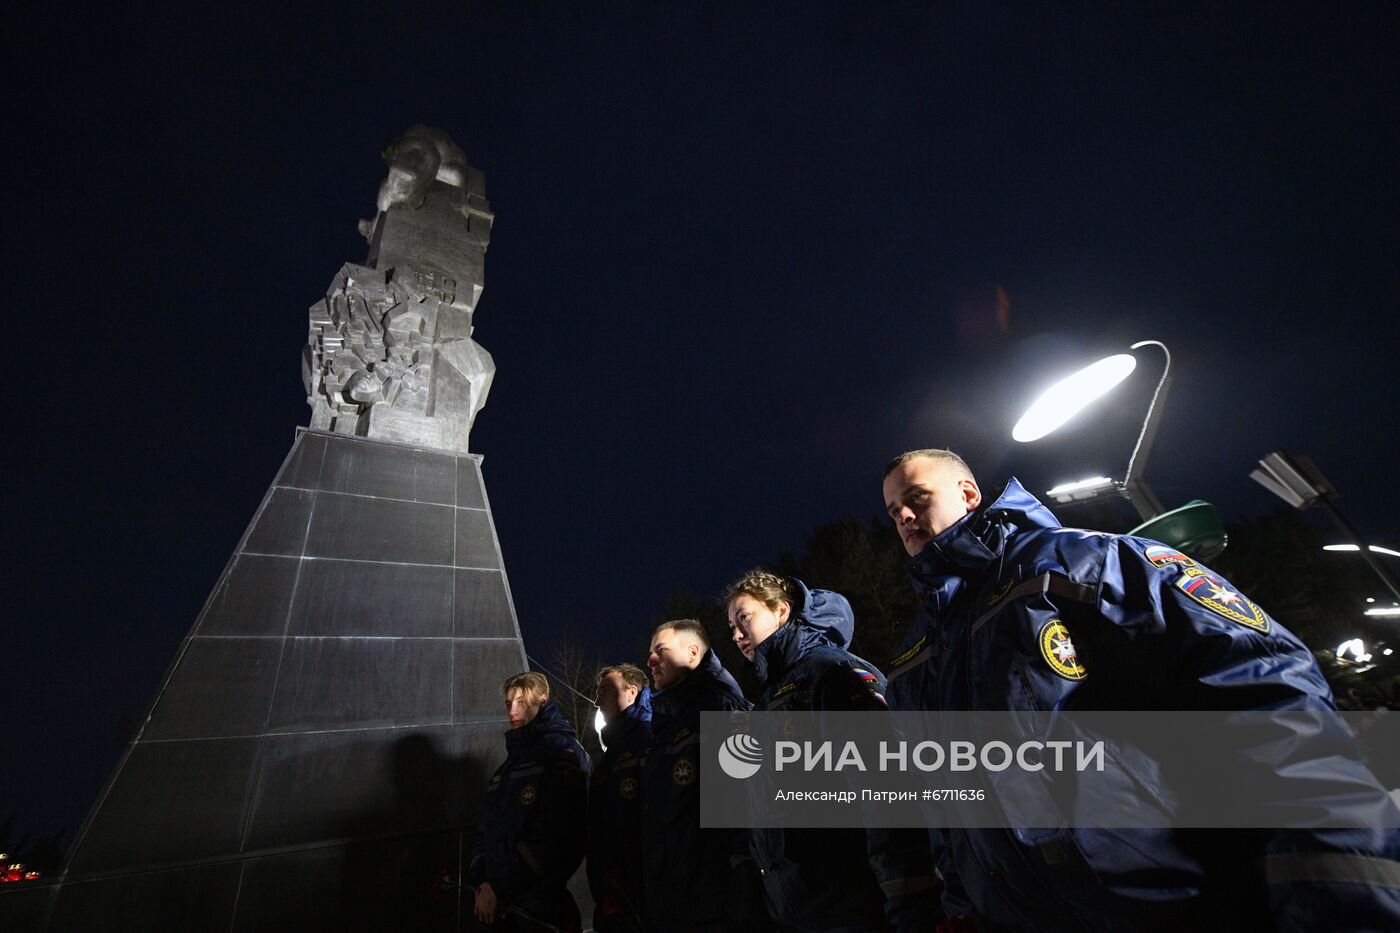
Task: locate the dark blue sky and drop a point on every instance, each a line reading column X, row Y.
column 741, row 257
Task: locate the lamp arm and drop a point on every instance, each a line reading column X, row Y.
column 1137, row 462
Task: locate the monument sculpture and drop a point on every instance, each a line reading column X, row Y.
column 390, row 353
column 314, row 758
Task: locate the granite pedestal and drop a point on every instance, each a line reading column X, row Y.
column 316, row 755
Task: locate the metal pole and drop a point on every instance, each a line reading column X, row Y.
column 1134, row 483
column 1154, row 414
column 1361, row 546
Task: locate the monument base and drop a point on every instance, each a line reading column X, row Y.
column 316, row 756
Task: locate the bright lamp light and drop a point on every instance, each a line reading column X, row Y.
column 1066, row 398
column 1093, row 484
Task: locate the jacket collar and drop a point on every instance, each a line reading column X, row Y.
column 686, row 695
column 548, row 720
column 620, row 727
column 781, row 651
column 821, row 617
column 972, row 544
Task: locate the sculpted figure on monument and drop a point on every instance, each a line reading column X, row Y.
column 421, row 155
column 389, row 354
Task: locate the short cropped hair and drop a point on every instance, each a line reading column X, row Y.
column 632, row 675
column 530, row 681
column 768, row 588
column 687, row 626
column 942, row 455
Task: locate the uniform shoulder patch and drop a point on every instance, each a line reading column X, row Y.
column 784, row 689
column 865, row 675
column 870, row 682
column 1058, row 651
column 1211, row 591
column 1161, row 555
column 683, row 771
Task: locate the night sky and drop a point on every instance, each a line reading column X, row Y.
column 744, row 253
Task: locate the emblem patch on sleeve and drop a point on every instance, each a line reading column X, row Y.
column 1221, row 598
column 1059, row 652
column 1160, row 556
column 628, row 788
column 528, row 795
column 683, row 771
column 870, row 682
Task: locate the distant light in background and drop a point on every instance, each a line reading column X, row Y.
column 1295, row 479
column 1351, row 548
column 1354, row 647
column 1390, row 612
column 1066, row 398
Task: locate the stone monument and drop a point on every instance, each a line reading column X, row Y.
column 390, row 355
column 314, row 758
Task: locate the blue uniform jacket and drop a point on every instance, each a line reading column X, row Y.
column 532, row 833
column 1022, row 614
column 833, row 878
column 686, row 870
column 615, row 820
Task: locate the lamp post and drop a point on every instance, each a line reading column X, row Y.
column 1195, row 527
column 1066, row 398
column 1296, row 480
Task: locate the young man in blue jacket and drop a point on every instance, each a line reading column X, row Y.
column 532, row 834
column 694, row 878
column 615, row 800
column 1019, row 613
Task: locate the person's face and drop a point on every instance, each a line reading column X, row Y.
column 522, row 707
column 925, row 497
column 672, row 656
column 615, row 694
column 751, row 622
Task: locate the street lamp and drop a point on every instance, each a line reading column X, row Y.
column 1071, row 395
column 1066, row 398
column 1195, row 527
column 1296, row 480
